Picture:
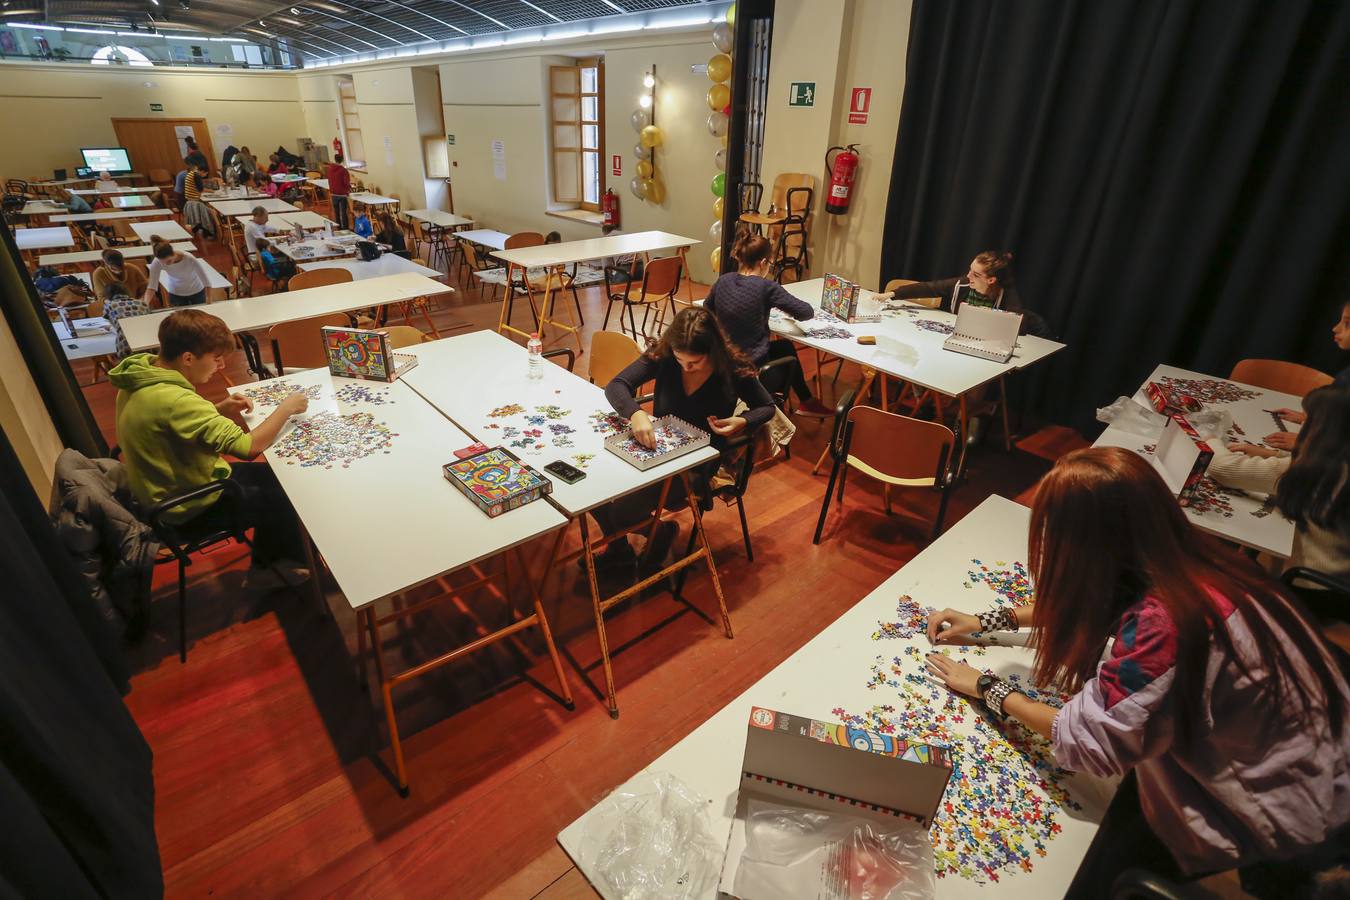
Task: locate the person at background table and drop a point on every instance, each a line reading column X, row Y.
column 277, row 266
column 121, row 301
column 339, row 187
column 625, row 262
column 114, row 270
column 185, row 277
column 196, row 213
column 276, row 167
column 742, row 300
column 1340, row 333
column 180, row 180
column 257, row 226
column 1218, row 700
column 173, row 438
column 991, row 281
column 1311, row 487
column 388, row 233
column 195, row 158
column 105, row 184
column 75, row 203
column 246, row 162
column 361, row 224
column 700, row 376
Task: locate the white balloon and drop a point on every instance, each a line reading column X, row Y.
column 638, row 190
column 720, row 158
column 723, row 37
column 642, row 152
column 640, row 119
column 717, row 123
column 715, row 232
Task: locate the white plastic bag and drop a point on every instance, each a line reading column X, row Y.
column 651, row 838
column 1127, row 415
column 795, row 853
column 1211, row 424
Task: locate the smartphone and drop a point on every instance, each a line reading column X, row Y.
column 568, row 473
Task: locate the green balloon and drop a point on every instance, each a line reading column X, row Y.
column 719, row 184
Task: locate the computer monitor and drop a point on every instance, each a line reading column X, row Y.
column 113, row 160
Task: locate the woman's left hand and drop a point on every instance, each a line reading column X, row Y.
column 957, row 676
column 726, row 427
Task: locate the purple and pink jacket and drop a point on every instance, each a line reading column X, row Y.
column 1239, row 795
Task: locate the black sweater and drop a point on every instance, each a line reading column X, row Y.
column 716, row 397
column 1011, row 300
column 741, row 304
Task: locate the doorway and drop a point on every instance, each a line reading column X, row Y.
column 159, row 143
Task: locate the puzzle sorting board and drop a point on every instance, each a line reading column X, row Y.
column 674, row 438
column 1010, row 819
column 496, row 481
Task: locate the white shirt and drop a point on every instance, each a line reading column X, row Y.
column 183, row 278
column 106, row 185
column 253, row 231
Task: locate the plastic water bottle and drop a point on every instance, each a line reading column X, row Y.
column 536, row 349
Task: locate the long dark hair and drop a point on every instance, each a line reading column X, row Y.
column 695, row 330
column 1316, row 488
column 1103, row 520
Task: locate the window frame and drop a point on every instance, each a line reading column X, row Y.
column 579, row 149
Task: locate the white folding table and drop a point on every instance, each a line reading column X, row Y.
column 484, row 237
column 1036, row 821
column 86, row 338
column 232, row 194
column 439, row 218
column 109, row 215
column 43, row 238
column 246, row 207
column 309, row 220
column 369, row 199
column 384, row 264
column 132, row 201
column 1249, row 520
column 96, row 191
column 169, row 230
column 453, row 375
column 42, row 208
column 130, row 251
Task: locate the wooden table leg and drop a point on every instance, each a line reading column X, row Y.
column 707, row 552
column 386, row 690
column 564, row 689
column 1003, row 403
column 589, row 556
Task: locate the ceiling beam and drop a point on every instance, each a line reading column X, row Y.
column 366, row 12
column 426, row 15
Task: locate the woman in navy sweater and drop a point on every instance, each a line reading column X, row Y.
column 741, row 302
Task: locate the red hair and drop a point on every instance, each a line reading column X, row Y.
column 1105, row 532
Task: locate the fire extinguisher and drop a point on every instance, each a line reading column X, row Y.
column 842, row 171
column 337, row 146
column 609, row 207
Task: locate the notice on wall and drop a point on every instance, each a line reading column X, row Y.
column 388, row 151
column 618, row 165
column 499, row 160
column 859, row 106
column 225, row 130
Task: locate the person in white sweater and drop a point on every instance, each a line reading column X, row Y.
column 1311, row 486
column 185, row 276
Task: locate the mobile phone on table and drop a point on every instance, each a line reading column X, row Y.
column 567, row 472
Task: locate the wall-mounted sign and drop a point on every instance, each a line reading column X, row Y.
column 803, row 93
column 157, row 107
column 859, row 106
column 618, row 165
column 450, row 140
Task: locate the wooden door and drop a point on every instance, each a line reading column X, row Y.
column 156, row 143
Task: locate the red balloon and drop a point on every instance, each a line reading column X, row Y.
column 727, row 109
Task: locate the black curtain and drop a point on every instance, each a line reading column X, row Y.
column 76, row 787
column 1173, row 177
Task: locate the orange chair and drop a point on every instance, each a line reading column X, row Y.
column 1281, row 376
column 894, row 449
column 522, row 285
column 611, row 353
column 660, row 281
column 319, row 278
column 301, row 342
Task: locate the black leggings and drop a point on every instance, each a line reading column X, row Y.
column 776, row 380
column 263, row 506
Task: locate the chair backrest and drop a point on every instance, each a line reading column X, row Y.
column 930, row 302
column 898, row 448
column 319, row 278
column 752, row 192
column 1278, row 375
column 300, row 343
column 611, row 352
column 405, row 336
column 524, row 239
column 313, row 174
column 662, row 276
column 787, row 180
column 160, row 176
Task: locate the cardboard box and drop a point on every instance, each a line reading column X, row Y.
column 1181, row 457
column 496, row 481
column 843, row 299
column 832, row 767
column 1170, row 403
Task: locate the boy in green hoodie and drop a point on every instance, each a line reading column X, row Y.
column 172, row 439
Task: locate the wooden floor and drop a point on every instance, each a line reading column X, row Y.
column 271, row 763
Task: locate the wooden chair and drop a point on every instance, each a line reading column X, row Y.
column 319, row 278
column 929, row 302
column 406, row 336
column 478, row 262
column 660, row 281
column 1281, row 376
column 514, row 242
column 299, row 345
column 794, row 195
column 611, row 353
column 894, row 449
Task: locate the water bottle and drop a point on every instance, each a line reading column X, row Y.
column 536, row 348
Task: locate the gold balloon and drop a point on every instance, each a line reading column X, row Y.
column 716, row 259
column 725, row 139
column 656, row 190
column 719, row 95
column 719, row 208
column 644, row 168
column 719, row 68
column 731, row 15
column 652, row 137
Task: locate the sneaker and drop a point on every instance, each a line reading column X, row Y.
column 615, row 556
column 281, row 574
column 658, row 548
column 814, row 408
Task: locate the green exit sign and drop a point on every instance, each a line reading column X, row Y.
column 157, row 107
column 803, row 93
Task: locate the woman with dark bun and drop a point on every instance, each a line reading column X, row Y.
column 741, row 301
column 989, row 282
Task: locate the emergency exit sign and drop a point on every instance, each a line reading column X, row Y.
column 803, row 93
column 157, row 107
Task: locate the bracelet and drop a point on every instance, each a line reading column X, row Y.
column 1000, row 619
column 996, row 696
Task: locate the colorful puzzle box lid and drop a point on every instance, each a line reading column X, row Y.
column 496, row 481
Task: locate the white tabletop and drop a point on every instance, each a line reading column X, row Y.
column 252, row 313
column 307, row 219
column 494, row 240
column 170, row 231
column 232, row 194
column 107, row 214
column 246, row 207
column 314, row 249
column 384, row 264
column 133, row 201
column 42, row 238
column 42, row 208
column 91, row 178
column 1248, row 519
column 438, row 217
column 906, row 350
column 594, row 248
column 129, row 251
column 391, row 521
column 370, row 199
column 468, row 376
column 837, row 672
column 321, row 182
column 94, row 191
column 287, row 178
column 93, row 336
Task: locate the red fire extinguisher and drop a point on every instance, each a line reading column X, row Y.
column 842, row 171
column 609, row 207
